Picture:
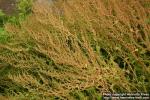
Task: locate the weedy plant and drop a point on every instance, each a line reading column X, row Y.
column 77, row 49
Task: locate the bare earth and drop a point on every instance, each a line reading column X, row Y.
column 8, row 6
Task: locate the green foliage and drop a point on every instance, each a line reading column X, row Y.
column 78, row 95
column 90, row 93
column 1, row 13
column 8, row 86
column 147, row 21
column 25, row 7
column 146, row 4
column 3, row 18
column 14, row 20
column 4, row 36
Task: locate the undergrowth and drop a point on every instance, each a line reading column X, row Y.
column 74, row 49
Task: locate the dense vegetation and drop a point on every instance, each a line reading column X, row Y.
column 74, row 49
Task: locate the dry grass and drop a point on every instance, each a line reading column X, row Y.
column 73, row 45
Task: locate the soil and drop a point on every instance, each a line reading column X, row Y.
column 8, row 6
